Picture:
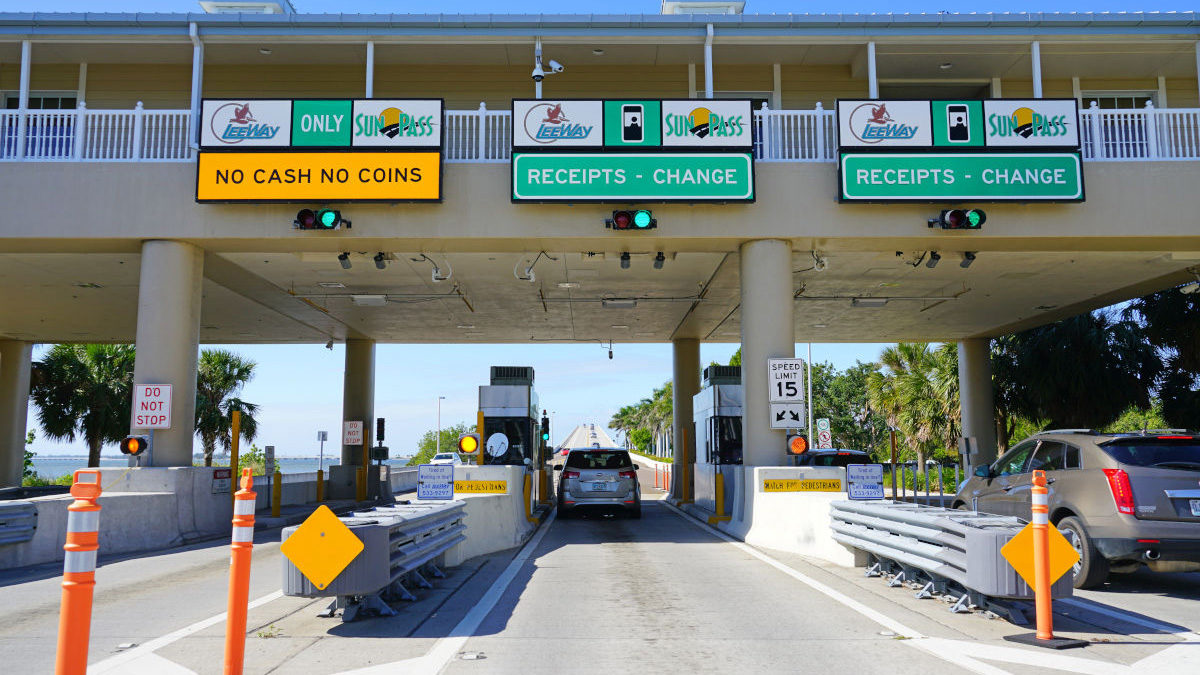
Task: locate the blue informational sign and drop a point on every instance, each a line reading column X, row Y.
column 864, row 481
column 435, row 481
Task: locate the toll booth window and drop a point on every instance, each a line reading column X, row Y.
column 604, row 459
column 518, row 430
column 729, row 439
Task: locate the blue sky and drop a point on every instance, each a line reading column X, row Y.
column 578, row 383
column 614, row 6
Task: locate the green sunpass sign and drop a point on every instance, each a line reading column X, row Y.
column 1019, row 177
column 611, row 176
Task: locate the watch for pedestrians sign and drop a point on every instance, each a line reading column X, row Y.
column 152, row 406
column 785, row 377
column 352, row 433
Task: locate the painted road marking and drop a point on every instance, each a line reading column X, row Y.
column 445, row 649
column 124, row 662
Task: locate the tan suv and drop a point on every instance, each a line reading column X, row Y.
column 1122, row 500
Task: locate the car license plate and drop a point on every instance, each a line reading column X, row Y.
column 600, row 486
column 1195, row 507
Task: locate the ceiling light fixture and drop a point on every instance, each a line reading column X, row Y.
column 625, row 260
column 934, row 257
column 265, row 51
column 597, row 52
column 967, row 259
column 344, row 260
column 619, row 326
column 373, row 300
column 568, row 284
column 659, row 260
column 466, row 326
column 331, row 284
column 619, row 303
column 946, row 66
column 868, row 302
column 1191, row 287
column 380, row 261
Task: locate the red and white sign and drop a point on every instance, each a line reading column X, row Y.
column 152, row 406
column 352, row 433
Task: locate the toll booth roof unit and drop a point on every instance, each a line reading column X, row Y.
column 512, row 375
column 508, row 400
column 718, row 400
column 722, row 375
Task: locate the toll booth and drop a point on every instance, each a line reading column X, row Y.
column 717, row 412
column 509, row 405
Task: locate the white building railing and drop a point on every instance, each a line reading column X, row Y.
column 484, row 136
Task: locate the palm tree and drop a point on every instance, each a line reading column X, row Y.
column 220, row 375
column 84, row 390
column 917, row 393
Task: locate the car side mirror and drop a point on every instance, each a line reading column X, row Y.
column 558, row 467
column 984, row 471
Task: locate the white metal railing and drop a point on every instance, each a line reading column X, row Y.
column 484, row 136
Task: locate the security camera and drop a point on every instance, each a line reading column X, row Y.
column 538, row 73
column 556, row 67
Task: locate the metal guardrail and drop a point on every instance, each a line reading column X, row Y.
column 955, row 553
column 18, row 522
column 401, row 544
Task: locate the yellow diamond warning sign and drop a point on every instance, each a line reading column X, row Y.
column 322, row 547
column 1019, row 553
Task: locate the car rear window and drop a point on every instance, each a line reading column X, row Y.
column 838, row 459
column 598, row 459
column 1162, row 453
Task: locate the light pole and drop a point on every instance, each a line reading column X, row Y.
column 438, row 438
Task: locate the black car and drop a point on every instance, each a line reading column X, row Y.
column 832, row 458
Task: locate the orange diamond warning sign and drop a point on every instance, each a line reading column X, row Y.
column 322, row 547
column 1019, row 553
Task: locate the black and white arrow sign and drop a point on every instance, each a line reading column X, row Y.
column 788, row 416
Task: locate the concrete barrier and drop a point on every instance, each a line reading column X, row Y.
column 495, row 521
column 796, row 522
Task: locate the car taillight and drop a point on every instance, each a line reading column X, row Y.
column 1122, row 491
column 627, row 474
column 570, row 474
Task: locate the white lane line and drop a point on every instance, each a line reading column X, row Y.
column 1156, row 626
column 1179, row 658
column 1041, row 658
column 445, row 649
column 118, row 663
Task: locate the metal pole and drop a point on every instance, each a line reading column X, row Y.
column 438, row 442
column 370, row 88
column 810, row 406
column 1036, row 55
column 537, row 84
column 708, row 62
column 892, row 432
column 872, row 77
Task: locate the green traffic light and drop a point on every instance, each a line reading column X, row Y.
column 973, row 218
column 642, row 219
column 328, row 218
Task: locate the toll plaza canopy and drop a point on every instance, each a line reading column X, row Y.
column 155, row 170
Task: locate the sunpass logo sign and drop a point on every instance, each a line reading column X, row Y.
column 248, row 123
column 1031, row 123
column 557, row 123
column 382, row 123
column 884, row 123
column 707, row 124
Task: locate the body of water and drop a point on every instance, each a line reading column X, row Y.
column 53, row 467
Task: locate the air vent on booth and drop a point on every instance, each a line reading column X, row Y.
column 722, row 375
column 512, row 375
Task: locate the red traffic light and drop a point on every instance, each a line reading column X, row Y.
column 135, row 445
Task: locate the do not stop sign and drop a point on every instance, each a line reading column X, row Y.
column 152, row 406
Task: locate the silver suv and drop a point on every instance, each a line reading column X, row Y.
column 598, row 479
column 1122, row 500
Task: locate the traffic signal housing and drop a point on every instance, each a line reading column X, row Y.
column 135, row 445
column 468, row 444
column 797, row 445
column 545, row 430
column 319, row 219
column 959, row 219
column 630, row 219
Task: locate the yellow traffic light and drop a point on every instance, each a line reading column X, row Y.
column 468, row 443
column 135, row 445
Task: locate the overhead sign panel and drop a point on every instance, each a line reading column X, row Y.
column 884, row 124
column 576, row 177
column 240, row 124
column 1034, row 123
column 557, row 124
column 341, row 124
column 707, row 124
column 318, row 176
column 1011, row 176
column 633, row 123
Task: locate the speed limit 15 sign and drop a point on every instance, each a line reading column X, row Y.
column 785, row 377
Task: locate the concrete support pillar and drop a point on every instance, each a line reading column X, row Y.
column 975, row 397
column 168, row 340
column 358, row 393
column 14, row 402
column 685, row 384
column 768, row 331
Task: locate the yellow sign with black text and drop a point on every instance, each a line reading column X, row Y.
column 481, row 486
column 318, row 176
column 802, row 485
